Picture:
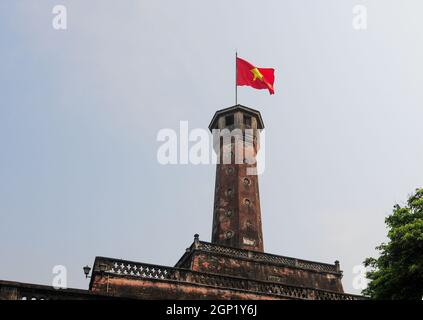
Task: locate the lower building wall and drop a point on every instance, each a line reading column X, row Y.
column 163, row 290
column 250, row 269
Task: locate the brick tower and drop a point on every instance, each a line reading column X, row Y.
column 237, row 217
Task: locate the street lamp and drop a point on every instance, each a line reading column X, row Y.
column 87, row 270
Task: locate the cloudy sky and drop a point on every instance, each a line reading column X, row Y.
column 80, row 110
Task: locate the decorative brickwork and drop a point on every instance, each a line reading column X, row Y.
column 158, row 282
column 211, row 258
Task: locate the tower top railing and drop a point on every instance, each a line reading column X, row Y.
column 261, row 256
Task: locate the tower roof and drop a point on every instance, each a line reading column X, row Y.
column 238, row 107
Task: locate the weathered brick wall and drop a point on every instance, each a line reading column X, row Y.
column 163, row 290
column 210, row 263
column 121, row 278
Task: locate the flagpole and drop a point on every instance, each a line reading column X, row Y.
column 236, row 77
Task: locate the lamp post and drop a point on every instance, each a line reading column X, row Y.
column 87, row 270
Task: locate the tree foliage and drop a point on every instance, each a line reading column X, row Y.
column 398, row 272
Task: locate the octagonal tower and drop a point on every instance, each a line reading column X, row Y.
column 236, row 141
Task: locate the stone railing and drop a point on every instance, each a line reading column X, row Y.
column 263, row 257
column 107, row 266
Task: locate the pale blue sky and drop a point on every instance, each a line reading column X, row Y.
column 80, row 110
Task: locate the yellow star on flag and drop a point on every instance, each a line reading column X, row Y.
column 257, row 74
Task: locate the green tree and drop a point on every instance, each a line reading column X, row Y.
column 398, row 272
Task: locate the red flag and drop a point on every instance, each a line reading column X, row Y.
column 258, row 78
